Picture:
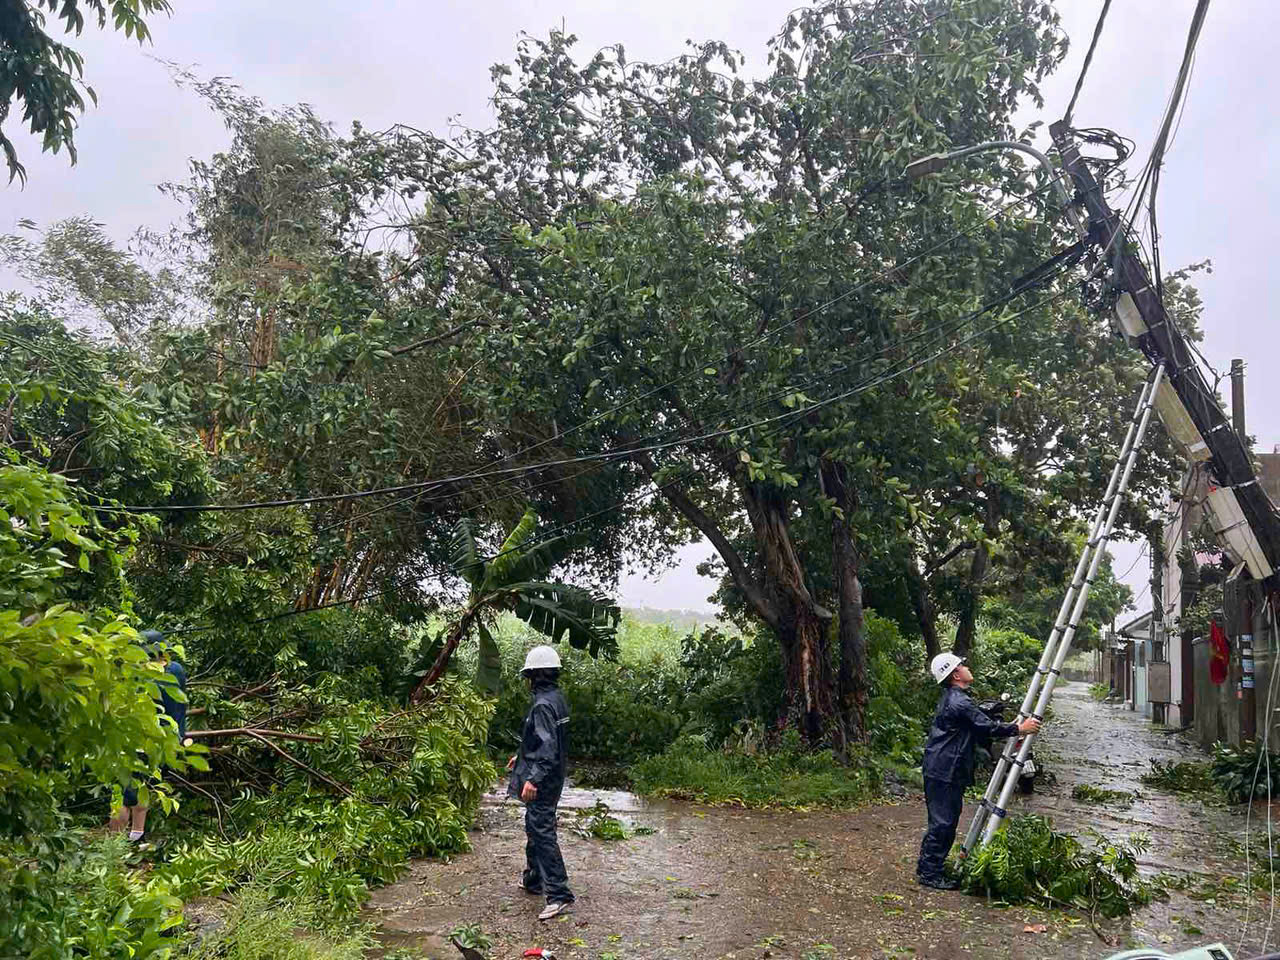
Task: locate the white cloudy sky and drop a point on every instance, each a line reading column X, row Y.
column 424, row 61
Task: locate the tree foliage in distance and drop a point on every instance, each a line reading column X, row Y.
column 46, row 76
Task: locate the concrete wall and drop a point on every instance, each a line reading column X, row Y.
column 1269, row 474
column 1217, row 709
column 1141, row 655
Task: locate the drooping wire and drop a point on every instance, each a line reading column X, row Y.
column 494, row 471
column 1088, row 59
column 869, row 383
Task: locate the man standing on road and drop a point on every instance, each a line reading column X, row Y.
column 537, row 777
column 948, row 763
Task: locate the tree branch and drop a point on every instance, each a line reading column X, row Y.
column 950, row 555
column 409, row 348
column 694, row 514
column 258, row 732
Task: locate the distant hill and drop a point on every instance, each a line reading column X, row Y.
column 678, row 619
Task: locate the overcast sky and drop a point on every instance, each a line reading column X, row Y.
column 421, row 63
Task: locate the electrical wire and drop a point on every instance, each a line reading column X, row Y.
column 1161, row 145
column 493, row 471
column 1264, row 752
column 1142, row 553
column 1027, row 281
column 868, row 384
column 1088, row 59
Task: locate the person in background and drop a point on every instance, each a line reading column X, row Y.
column 957, row 726
column 537, row 778
column 131, row 815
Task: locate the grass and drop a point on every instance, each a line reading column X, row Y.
column 1088, row 793
column 1186, row 776
column 1099, row 691
column 788, row 778
column 259, row 928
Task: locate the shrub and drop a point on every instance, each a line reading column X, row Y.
column 1004, row 662
column 93, row 905
column 1245, row 772
column 690, row 769
column 1099, row 691
column 903, row 695
column 731, row 680
column 619, row 710
column 414, row 778
column 1029, row 862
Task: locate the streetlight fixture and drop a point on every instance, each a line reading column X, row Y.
column 926, row 166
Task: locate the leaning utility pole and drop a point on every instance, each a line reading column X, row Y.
column 1250, row 523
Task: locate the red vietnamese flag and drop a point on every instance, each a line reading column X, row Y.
column 1219, row 653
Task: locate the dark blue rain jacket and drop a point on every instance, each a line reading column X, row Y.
column 958, row 725
column 543, row 759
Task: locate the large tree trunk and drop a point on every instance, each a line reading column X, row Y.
column 971, row 596
column 780, row 598
column 810, row 702
column 926, row 612
column 851, row 681
column 802, row 633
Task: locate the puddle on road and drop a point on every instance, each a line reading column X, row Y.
column 580, row 798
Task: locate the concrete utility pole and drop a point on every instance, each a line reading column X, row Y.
column 1237, row 400
column 1230, row 462
column 1248, row 692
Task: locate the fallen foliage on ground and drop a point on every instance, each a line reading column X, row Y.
column 1030, row 862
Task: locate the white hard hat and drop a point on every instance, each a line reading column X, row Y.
column 943, row 665
column 542, row 658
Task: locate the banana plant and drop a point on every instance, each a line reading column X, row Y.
column 514, row 580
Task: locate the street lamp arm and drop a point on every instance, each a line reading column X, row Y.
column 932, row 164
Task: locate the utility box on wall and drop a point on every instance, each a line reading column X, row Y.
column 1159, row 685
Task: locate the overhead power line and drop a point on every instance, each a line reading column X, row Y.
column 1088, row 59
column 907, row 366
column 495, row 471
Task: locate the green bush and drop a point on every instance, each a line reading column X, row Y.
column 1245, row 772
column 731, row 680
column 92, row 905
column 1029, row 862
column 690, row 769
column 1004, row 662
column 620, row 710
column 415, row 779
column 903, row 695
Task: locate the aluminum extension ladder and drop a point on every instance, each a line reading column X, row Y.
column 993, row 809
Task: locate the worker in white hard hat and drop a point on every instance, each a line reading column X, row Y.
column 957, row 726
column 537, row 778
